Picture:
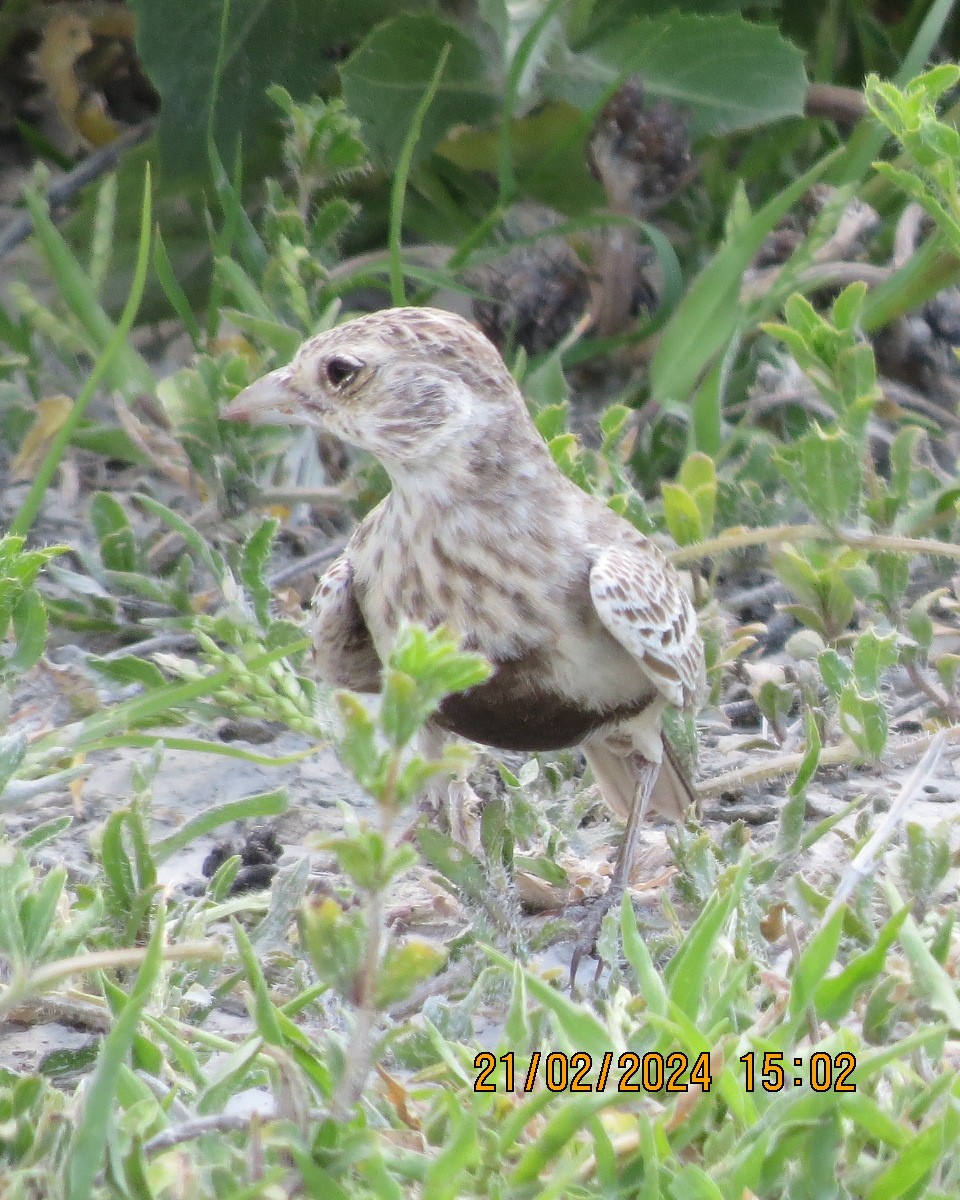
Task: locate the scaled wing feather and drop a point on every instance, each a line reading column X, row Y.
column 344, row 650
column 646, row 609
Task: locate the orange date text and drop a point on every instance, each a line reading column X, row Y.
column 577, row 1072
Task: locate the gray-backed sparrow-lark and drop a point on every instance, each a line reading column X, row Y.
column 588, row 628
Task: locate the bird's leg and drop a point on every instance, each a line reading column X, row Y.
column 447, row 800
column 433, row 801
column 645, row 775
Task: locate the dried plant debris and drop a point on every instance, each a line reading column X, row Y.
column 535, row 294
column 640, row 152
column 71, row 72
column 259, row 852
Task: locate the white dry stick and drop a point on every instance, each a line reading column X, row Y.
column 862, row 865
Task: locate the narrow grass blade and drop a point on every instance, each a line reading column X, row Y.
column 115, row 344
column 265, row 804
column 398, row 193
column 85, row 1158
column 124, row 367
column 705, row 319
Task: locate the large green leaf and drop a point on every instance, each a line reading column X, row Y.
column 295, row 43
column 385, row 77
column 727, row 73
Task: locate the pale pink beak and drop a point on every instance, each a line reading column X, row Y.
column 269, row 401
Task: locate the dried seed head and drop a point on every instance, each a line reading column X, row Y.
column 534, row 294
column 641, row 154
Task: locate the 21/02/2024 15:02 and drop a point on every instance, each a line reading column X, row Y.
column 654, row 1072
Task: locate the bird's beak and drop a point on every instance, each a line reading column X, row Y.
column 269, row 401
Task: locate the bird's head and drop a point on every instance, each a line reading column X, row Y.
column 405, row 384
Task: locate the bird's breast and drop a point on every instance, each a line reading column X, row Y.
column 498, row 593
column 521, row 601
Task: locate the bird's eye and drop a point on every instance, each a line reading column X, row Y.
column 340, row 371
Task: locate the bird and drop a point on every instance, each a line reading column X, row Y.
column 588, row 629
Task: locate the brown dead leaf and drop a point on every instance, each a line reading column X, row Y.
column 163, row 450
column 537, row 895
column 399, row 1097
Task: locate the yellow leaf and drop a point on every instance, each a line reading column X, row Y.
column 51, row 414
column 65, row 39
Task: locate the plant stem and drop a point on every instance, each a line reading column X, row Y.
column 366, row 1014
column 739, row 538
column 844, row 752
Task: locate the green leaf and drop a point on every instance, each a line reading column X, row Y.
column 908, row 1170
column 930, row 979
column 386, row 77
column 815, row 963
column 262, row 1009
column 253, row 567
column 29, row 630
column 835, row 994
column 116, row 862
column 47, row 832
column 824, row 470
column 85, row 1157
column 291, row 44
column 13, row 750
column 638, row 956
column 872, row 654
column 864, row 721
column 37, row 911
column 811, row 758
column 449, row 1171
column 358, row 744
column 210, row 558
column 727, row 73
column 129, row 669
column 258, row 807
column 574, row 1020
column 118, row 545
column 454, row 862
column 699, row 476
column 551, row 420
column 173, row 291
column 404, row 967
column 681, row 515
column 687, row 970
column 334, row 939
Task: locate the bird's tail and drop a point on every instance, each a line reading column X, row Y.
column 673, row 793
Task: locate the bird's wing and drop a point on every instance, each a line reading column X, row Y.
column 344, row 650
column 643, row 604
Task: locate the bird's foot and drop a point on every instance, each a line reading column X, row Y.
column 466, row 810
column 586, row 944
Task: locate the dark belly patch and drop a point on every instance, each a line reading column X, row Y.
column 511, row 713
